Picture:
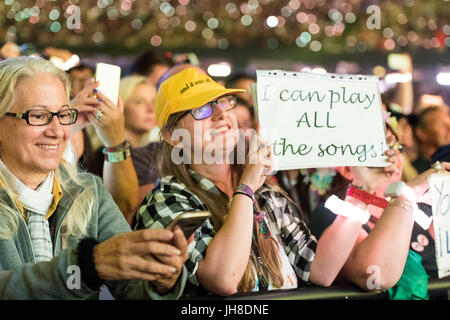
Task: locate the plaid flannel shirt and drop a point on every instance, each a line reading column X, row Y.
column 170, row 198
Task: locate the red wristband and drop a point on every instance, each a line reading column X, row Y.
column 367, row 197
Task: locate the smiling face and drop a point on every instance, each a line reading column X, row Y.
column 216, row 135
column 29, row 151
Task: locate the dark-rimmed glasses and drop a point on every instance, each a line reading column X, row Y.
column 40, row 117
column 205, row 111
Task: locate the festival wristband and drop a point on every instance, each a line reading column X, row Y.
column 246, row 190
column 367, row 197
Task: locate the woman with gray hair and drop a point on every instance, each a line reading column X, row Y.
column 61, row 234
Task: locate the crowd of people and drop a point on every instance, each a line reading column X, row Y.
column 89, row 186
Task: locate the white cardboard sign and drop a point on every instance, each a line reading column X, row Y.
column 440, row 193
column 320, row 120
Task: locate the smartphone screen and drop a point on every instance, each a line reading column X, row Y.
column 109, row 77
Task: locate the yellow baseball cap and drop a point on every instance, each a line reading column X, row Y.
column 186, row 90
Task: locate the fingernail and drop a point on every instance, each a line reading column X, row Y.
column 174, row 270
column 100, row 100
column 176, row 252
column 95, row 90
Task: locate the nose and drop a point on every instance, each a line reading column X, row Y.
column 218, row 112
column 55, row 128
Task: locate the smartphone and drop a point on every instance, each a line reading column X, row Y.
column 189, row 221
column 109, row 77
column 397, row 61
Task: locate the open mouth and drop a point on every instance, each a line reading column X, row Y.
column 47, row 146
column 220, row 130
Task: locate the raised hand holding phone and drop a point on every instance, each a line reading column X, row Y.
column 108, row 76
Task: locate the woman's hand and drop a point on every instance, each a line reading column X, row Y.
column 86, row 103
column 110, row 126
column 164, row 283
column 123, row 256
column 258, row 164
column 421, row 183
column 370, row 179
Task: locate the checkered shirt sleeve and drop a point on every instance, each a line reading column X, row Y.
column 298, row 241
column 166, row 201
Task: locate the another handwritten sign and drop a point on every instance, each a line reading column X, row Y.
column 314, row 120
column 440, row 193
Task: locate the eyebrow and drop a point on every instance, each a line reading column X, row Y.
column 39, row 107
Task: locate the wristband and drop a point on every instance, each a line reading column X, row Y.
column 367, row 197
column 120, row 147
column 86, row 262
column 245, row 189
column 346, row 209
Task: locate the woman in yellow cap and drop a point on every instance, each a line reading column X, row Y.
column 256, row 239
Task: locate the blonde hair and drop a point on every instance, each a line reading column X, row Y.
column 219, row 206
column 12, row 71
column 128, row 84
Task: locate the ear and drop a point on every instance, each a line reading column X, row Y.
column 346, row 172
column 166, row 136
column 420, row 134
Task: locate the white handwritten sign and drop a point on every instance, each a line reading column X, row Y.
column 440, row 193
column 320, row 120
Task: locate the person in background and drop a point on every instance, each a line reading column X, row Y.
column 402, row 126
column 54, row 217
column 432, row 131
column 243, row 81
column 245, row 115
column 80, row 76
column 138, row 95
column 151, row 65
column 112, row 162
column 9, row 50
column 385, row 239
column 256, row 239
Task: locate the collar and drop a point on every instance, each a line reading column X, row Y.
column 205, row 183
column 70, row 192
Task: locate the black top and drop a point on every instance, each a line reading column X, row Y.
column 144, row 161
column 421, row 241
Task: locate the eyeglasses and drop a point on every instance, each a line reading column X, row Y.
column 205, row 111
column 39, row 117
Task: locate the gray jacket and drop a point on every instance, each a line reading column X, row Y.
column 22, row 278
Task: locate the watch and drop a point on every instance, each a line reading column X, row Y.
column 367, row 197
